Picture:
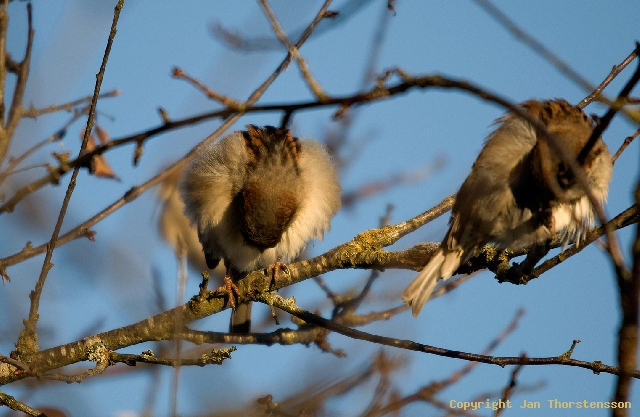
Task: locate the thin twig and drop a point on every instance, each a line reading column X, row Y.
column 603, row 122
column 502, row 361
column 234, row 40
column 215, row 357
column 14, row 162
column 181, row 284
column 13, row 362
column 617, row 69
column 16, row 109
column 333, row 296
column 226, row 100
column 315, row 87
column 16, row 405
column 624, row 145
column 427, row 393
column 5, row 139
column 27, row 342
column 99, row 368
column 509, row 389
column 34, row 113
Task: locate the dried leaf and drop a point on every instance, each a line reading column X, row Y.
column 99, row 166
column 102, row 134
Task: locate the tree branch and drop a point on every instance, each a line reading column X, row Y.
column 16, row 109
column 502, row 361
column 28, row 340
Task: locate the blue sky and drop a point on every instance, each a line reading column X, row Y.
column 85, row 292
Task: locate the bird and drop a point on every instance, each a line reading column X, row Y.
column 173, row 224
column 520, row 192
column 256, row 197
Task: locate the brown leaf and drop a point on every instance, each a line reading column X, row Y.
column 99, row 166
column 103, row 136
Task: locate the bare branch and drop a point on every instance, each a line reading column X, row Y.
column 231, row 104
column 28, row 340
column 428, row 393
column 332, row 19
column 16, row 109
column 603, row 122
column 34, row 113
column 293, row 50
column 305, row 335
column 14, row 162
column 215, row 357
column 624, row 145
column 508, row 390
column 502, row 361
column 617, row 69
column 99, row 368
column 14, row 404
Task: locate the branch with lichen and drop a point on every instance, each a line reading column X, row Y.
column 364, row 251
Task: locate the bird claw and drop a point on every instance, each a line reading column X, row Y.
column 516, row 274
column 231, row 290
column 272, row 271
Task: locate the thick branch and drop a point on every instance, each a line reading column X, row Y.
column 362, row 252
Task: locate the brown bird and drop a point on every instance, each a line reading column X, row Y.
column 520, row 192
column 175, row 227
column 257, row 197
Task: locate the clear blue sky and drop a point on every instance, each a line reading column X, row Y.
column 85, row 291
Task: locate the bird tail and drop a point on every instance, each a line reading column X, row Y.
column 441, row 266
column 241, row 319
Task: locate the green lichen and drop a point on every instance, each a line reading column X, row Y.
column 96, row 351
column 375, row 239
column 27, row 342
column 567, row 354
column 598, row 366
column 217, row 356
column 148, row 354
column 366, row 248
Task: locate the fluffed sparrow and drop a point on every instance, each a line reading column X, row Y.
column 520, row 192
column 257, row 197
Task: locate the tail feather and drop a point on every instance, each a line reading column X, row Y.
column 441, row 266
column 241, row 319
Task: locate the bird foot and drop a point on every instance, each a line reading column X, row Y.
column 231, row 290
column 272, row 271
column 516, row 274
